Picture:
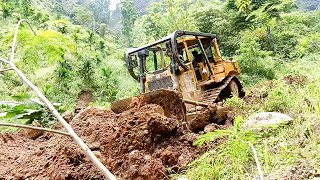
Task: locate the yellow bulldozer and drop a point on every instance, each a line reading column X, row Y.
column 187, row 65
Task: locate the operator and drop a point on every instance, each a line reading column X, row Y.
column 197, row 59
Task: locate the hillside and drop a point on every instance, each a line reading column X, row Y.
column 64, row 59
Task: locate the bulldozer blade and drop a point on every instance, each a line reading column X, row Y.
column 121, row 105
column 171, row 102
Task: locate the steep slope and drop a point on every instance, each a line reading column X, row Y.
column 64, row 58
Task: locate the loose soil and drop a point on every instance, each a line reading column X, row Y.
column 143, row 142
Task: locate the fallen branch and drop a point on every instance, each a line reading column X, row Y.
column 34, row 128
column 53, row 110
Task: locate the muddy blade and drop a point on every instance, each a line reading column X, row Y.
column 121, row 105
column 170, row 100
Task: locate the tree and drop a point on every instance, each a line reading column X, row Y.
column 91, row 38
column 226, row 23
column 154, row 23
column 268, row 11
column 243, row 5
column 84, row 17
column 271, row 9
column 259, row 13
column 142, row 5
column 129, row 16
column 103, row 29
column 6, row 8
column 101, row 10
column 26, row 7
column 167, row 16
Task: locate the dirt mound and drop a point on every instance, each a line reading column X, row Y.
column 48, row 157
column 141, row 143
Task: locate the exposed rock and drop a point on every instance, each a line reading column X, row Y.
column 267, row 119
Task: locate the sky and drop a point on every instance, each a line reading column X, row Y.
column 113, row 4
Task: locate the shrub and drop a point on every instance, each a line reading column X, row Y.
column 254, row 62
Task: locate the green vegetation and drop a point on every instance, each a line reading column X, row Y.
column 63, row 59
column 277, row 44
column 279, row 148
column 26, row 108
column 229, row 160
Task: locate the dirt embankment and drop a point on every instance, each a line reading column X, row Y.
column 141, row 143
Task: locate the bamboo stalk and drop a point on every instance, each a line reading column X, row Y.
column 34, row 128
column 257, row 160
column 255, row 155
column 53, row 110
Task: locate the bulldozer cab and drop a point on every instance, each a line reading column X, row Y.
column 187, row 62
column 197, row 53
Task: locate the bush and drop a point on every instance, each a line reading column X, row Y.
column 255, row 63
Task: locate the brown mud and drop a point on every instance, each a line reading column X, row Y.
column 140, row 143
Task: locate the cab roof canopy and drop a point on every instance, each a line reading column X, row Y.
column 173, row 38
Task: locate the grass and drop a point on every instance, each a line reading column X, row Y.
column 278, row 148
column 233, row 151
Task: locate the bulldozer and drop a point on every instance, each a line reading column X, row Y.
column 183, row 72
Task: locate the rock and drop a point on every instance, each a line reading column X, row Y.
column 94, row 146
column 213, row 114
column 267, row 119
column 33, row 134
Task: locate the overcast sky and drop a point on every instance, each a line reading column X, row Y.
column 113, row 4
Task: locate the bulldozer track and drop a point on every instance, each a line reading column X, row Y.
column 211, row 96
